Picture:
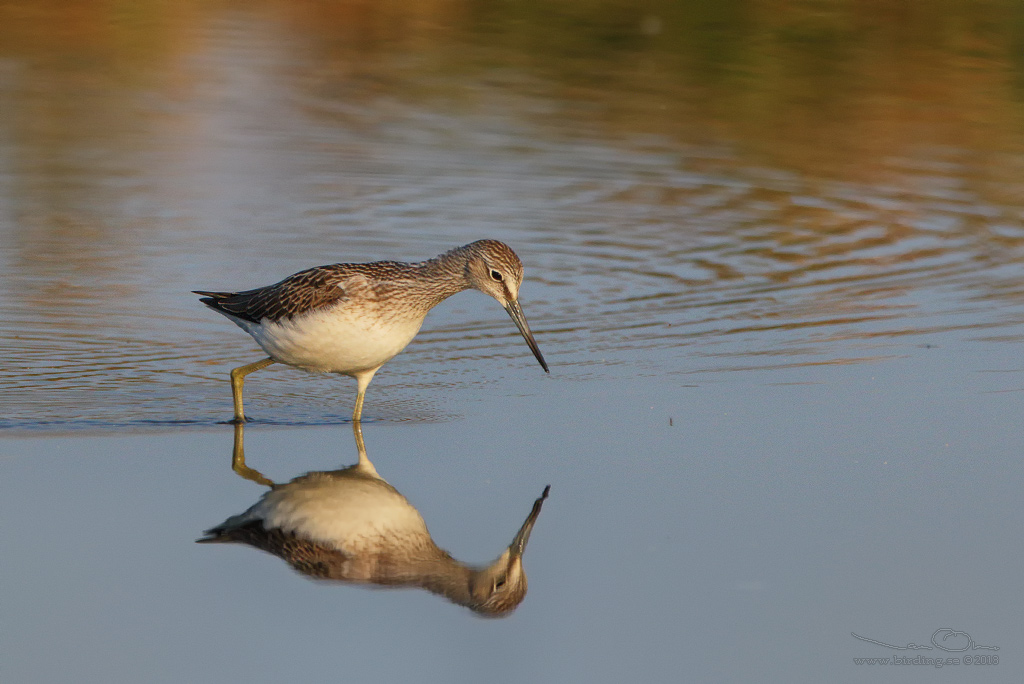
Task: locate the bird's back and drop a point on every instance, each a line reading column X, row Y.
column 308, row 557
column 313, row 289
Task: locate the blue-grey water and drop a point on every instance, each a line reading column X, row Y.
column 774, row 256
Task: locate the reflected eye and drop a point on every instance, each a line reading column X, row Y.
column 495, row 275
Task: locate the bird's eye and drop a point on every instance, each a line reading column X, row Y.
column 500, row 583
column 495, row 275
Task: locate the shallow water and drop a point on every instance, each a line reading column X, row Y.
column 773, row 256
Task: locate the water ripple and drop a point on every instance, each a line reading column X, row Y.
column 640, row 250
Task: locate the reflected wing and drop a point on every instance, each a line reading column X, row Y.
column 309, row 558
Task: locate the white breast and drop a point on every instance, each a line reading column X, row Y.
column 336, row 340
column 346, row 513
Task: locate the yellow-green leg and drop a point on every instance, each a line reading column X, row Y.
column 238, row 460
column 364, row 460
column 238, row 379
column 357, row 413
column 362, row 381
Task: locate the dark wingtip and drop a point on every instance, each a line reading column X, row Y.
column 210, row 299
column 214, row 536
column 207, row 298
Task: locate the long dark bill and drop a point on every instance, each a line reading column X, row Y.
column 516, row 312
column 518, row 545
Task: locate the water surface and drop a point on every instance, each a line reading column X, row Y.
column 241, row 146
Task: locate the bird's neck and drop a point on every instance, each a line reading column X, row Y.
column 443, row 276
column 449, row 578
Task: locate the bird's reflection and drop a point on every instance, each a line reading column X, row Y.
column 351, row 525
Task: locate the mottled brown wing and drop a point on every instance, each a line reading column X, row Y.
column 306, row 556
column 305, row 291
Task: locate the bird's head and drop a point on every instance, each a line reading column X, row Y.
column 500, row 587
column 494, row 269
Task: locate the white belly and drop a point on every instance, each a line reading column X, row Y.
column 333, row 341
column 347, row 513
